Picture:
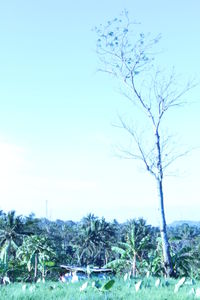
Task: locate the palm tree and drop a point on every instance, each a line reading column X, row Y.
column 133, row 250
column 86, row 242
column 11, row 233
column 92, row 244
column 35, row 252
column 184, row 240
column 61, row 234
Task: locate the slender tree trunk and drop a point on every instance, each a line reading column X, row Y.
column 134, row 265
column 106, row 259
column 163, row 232
column 36, row 266
column 163, row 228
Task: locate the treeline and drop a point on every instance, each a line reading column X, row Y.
column 32, row 248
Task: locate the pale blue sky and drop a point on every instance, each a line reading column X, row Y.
column 56, row 111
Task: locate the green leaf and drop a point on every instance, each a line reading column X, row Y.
column 49, row 263
column 107, row 286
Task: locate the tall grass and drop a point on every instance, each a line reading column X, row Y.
column 121, row 290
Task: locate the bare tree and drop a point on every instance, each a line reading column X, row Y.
column 129, row 56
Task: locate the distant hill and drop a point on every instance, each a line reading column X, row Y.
column 179, row 223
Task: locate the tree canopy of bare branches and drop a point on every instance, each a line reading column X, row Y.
column 129, row 55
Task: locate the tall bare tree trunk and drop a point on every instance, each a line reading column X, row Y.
column 163, row 228
column 163, row 232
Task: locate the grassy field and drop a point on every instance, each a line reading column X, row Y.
column 120, row 290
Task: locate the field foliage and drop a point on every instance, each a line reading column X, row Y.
column 95, row 290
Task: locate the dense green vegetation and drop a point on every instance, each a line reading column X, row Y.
column 32, row 248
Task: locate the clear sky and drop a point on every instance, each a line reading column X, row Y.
column 56, row 111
